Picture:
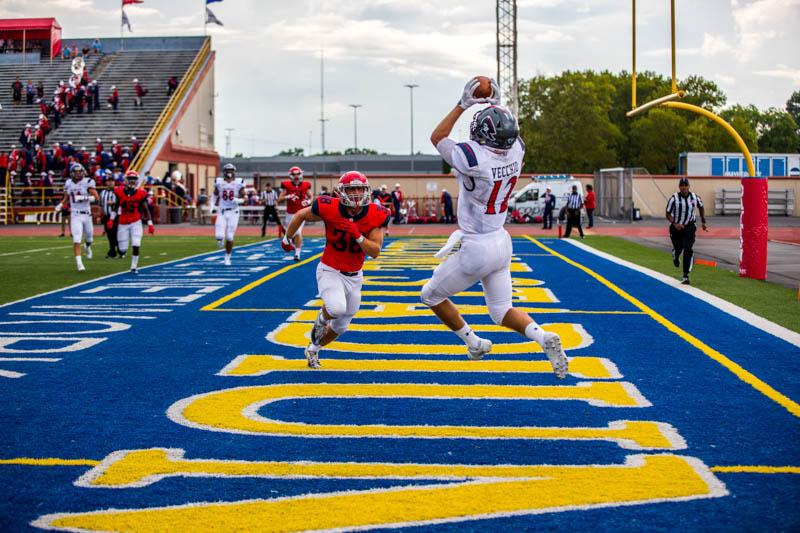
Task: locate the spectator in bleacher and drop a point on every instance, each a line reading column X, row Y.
column 2, row 46
column 447, row 205
column 80, row 98
column 96, row 94
column 323, row 191
column 97, row 47
column 116, row 151
column 166, row 181
column 16, row 90
column 141, row 92
column 73, row 53
column 85, row 50
column 3, row 167
column 172, row 85
column 113, row 100
column 134, row 147
column 40, row 89
column 48, row 182
column 89, row 94
column 65, row 53
column 25, row 185
column 30, row 92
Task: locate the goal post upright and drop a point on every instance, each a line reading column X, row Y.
column 755, row 215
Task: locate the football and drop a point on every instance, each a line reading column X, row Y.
column 484, row 90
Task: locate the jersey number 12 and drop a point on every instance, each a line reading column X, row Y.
column 490, row 210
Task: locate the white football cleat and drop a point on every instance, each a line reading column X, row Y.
column 226, row 262
column 554, row 351
column 88, row 252
column 312, row 357
column 318, row 330
column 134, row 270
column 81, row 268
column 477, row 353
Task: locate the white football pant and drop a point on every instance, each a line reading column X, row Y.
column 482, row 257
column 288, row 220
column 129, row 233
column 226, row 224
column 341, row 295
column 80, row 226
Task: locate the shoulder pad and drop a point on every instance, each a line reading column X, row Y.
column 469, row 153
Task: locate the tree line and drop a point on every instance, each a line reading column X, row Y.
column 576, row 122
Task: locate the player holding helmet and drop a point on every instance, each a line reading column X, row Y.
column 297, row 195
column 487, row 168
column 228, row 195
column 131, row 209
column 353, row 228
column 79, row 192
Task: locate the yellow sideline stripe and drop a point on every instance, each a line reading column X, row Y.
column 238, row 292
column 761, row 386
column 754, row 469
column 48, row 461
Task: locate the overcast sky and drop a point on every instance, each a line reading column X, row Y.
column 268, row 67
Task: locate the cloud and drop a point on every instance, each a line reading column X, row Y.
column 782, row 72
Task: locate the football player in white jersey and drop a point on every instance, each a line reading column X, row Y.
column 80, row 192
column 228, row 196
column 487, row 168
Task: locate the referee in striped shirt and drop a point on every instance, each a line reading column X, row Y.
column 682, row 209
column 574, row 204
column 269, row 198
column 108, row 203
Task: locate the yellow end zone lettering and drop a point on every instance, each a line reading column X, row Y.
column 642, row 479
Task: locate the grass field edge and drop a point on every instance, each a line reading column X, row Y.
column 123, row 273
column 723, row 305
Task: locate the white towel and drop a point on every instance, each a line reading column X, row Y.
column 452, row 241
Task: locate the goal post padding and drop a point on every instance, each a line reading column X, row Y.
column 754, row 228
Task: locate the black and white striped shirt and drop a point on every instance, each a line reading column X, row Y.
column 574, row 201
column 269, row 197
column 107, row 201
column 684, row 209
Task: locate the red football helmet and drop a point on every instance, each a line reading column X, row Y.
column 296, row 174
column 132, row 178
column 353, row 189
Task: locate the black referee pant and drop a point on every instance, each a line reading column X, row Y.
column 111, row 234
column 682, row 243
column 269, row 213
column 573, row 221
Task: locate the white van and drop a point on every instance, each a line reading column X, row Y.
column 528, row 200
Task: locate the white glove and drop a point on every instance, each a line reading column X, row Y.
column 305, row 203
column 213, row 209
column 58, row 207
column 452, row 241
column 468, row 99
column 239, row 201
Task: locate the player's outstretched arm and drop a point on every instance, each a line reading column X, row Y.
column 446, row 125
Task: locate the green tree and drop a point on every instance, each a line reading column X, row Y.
column 703, row 93
column 565, row 123
column 657, row 138
column 793, row 106
column 293, row 152
column 777, row 132
column 360, row 151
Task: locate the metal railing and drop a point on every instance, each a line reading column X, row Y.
column 729, row 202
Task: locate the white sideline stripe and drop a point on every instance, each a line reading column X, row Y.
column 32, row 251
column 734, row 310
column 10, row 374
column 124, row 273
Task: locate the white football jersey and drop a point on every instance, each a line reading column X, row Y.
column 486, row 179
column 79, row 188
column 228, row 192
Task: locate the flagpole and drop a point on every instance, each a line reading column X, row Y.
column 205, row 18
column 121, row 38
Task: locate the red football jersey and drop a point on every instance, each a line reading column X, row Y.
column 129, row 204
column 342, row 252
column 302, row 192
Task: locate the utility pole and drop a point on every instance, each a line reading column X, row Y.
column 355, row 125
column 322, row 119
column 507, row 53
column 228, row 141
column 411, row 87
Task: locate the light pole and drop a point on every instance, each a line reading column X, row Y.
column 355, row 125
column 411, row 87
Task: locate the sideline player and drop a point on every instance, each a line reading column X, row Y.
column 353, row 227
column 131, row 209
column 228, row 196
column 79, row 193
column 297, row 195
column 487, row 168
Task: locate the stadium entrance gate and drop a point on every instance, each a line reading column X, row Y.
column 614, row 191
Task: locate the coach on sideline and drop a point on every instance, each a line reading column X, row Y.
column 682, row 208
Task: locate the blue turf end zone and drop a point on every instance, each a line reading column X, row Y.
column 131, row 363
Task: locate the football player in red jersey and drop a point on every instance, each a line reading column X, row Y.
column 297, row 195
column 354, row 227
column 131, row 209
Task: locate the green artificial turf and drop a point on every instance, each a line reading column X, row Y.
column 47, row 263
column 772, row 301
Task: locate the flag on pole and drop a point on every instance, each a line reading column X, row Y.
column 127, row 2
column 211, row 18
column 125, row 21
column 211, row 1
